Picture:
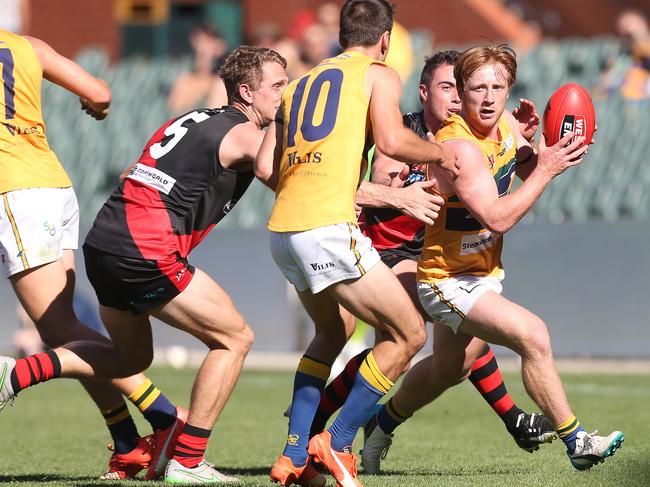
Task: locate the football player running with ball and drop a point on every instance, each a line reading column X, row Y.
column 460, row 272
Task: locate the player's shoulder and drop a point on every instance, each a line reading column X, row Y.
column 464, row 148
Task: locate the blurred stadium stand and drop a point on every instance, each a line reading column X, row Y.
column 613, row 183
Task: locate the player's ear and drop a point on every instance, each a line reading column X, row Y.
column 424, row 93
column 245, row 93
column 385, row 43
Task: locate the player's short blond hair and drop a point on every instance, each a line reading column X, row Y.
column 244, row 66
column 477, row 57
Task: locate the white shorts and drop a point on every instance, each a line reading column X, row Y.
column 450, row 300
column 36, row 226
column 318, row 258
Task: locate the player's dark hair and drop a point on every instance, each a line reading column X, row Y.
column 441, row 58
column 477, row 57
column 363, row 22
column 244, row 66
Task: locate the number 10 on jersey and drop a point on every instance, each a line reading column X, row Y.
column 309, row 131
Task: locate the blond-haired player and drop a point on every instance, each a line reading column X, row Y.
column 460, row 272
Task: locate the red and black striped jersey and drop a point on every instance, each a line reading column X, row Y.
column 176, row 192
column 389, row 228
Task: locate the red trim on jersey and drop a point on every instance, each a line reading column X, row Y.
column 177, row 271
column 186, row 243
column 147, row 219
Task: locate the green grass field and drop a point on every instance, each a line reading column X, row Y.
column 54, row 436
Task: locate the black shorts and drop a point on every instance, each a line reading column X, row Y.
column 392, row 257
column 137, row 285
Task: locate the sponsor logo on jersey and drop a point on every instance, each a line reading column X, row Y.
column 474, row 244
column 507, row 145
column 309, row 158
column 152, row 177
column 229, row 206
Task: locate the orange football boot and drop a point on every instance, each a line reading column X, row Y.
column 164, row 443
column 284, row 472
column 342, row 465
column 127, row 465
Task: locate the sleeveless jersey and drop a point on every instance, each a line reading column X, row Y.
column 457, row 243
column 389, row 228
column 176, row 192
column 26, row 160
column 325, row 129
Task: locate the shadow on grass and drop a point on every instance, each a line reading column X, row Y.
column 46, row 477
column 449, row 472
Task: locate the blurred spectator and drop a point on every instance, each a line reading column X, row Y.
column 13, row 14
column 328, row 14
column 201, row 87
column 400, row 53
column 629, row 72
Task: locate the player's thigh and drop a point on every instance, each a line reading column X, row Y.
column 498, row 320
column 130, row 334
column 44, row 293
column 455, row 352
column 205, row 310
column 379, row 299
column 406, row 270
column 329, row 317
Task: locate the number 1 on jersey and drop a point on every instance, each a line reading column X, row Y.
column 8, row 81
column 309, row 131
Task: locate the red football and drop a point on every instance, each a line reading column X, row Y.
column 569, row 109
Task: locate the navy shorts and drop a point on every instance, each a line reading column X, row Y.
column 136, row 285
column 392, row 257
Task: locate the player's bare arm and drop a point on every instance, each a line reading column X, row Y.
column 240, row 146
column 95, row 95
column 413, row 200
column 267, row 162
column 390, row 135
column 386, row 190
column 475, row 185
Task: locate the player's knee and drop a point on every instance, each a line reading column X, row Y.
column 537, row 340
column 416, row 338
column 134, row 363
column 246, row 339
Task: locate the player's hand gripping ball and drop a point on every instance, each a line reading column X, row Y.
column 570, row 109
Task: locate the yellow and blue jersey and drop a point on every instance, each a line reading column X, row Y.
column 457, row 243
column 325, row 124
column 26, row 160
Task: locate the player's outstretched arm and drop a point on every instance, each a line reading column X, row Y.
column 390, row 135
column 386, row 190
column 413, row 200
column 267, row 162
column 95, row 95
column 475, row 185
